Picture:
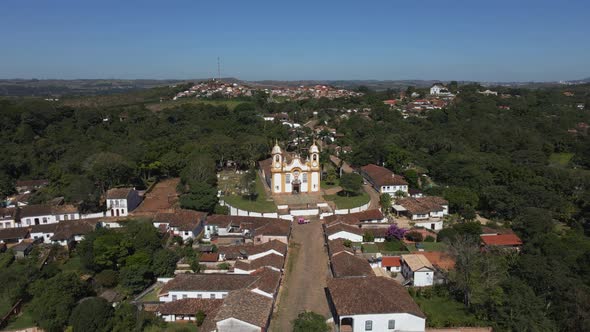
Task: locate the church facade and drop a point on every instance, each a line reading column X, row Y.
column 286, row 173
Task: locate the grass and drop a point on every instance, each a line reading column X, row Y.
column 560, row 159
column 429, row 246
column 391, row 246
column 151, row 296
column 324, row 185
column 446, row 312
column 370, row 248
column 5, row 306
column 23, row 321
column 343, row 202
column 260, row 204
column 73, row 265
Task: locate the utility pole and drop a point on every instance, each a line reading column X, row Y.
column 218, row 69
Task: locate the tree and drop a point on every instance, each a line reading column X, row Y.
column 461, row 199
column 107, row 278
column 92, row 314
column 54, row 299
column 397, row 159
column 164, row 263
column 331, row 176
column 201, row 197
column 310, row 321
column 414, row 236
column 395, row 232
column 200, row 317
column 108, row 169
column 351, row 183
column 385, row 202
column 368, row 237
column 6, row 185
column 476, row 276
column 135, row 277
column 249, row 184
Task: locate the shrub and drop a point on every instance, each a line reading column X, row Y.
column 223, row 266
column 429, row 238
column 414, row 236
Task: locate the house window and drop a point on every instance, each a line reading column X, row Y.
column 29, row 222
column 67, row 217
column 44, row 220
column 199, row 296
column 212, row 296
column 223, row 296
column 174, row 297
column 72, row 217
column 391, row 324
column 304, row 178
column 184, row 296
column 287, row 178
column 368, row 325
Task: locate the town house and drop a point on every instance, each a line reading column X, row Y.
column 383, row 180
column 121, row 201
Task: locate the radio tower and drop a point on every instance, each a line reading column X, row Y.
column 218, row 69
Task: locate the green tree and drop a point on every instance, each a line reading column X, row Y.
column 397, row 159
column 310, row 321
column 108, row 169
column 201, row 197
column 164, row 263
column 92, row 314
column 136, row 278
column 54, row 299
column 331, row 176
column 351, row 183
column 385, row 202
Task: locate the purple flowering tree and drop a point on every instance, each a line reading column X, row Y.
column 395, row 232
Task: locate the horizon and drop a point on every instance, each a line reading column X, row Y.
column 340, row 41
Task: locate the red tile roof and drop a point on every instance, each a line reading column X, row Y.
column 389, row 261
column 347, row 265
column 209, row 257
column 381, row 176
column 501, row 240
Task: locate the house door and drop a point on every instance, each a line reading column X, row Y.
column 112, row 213
column 296, row 185
column 117, row 212
column 36, row 221
column 431, row 226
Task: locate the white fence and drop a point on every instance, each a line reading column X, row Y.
column 238, row 212
column 361, row 208
column 93, row 215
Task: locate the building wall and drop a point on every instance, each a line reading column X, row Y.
column 315, row 182
column 236, row 325
column 423, row 278
column 39, row 220
column 45, row 236
column 403, row 322
column 192, row 295
column 438, row 224
column 267, row 238
column 347, row 236
column 393, row 189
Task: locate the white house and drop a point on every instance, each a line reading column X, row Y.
column 8, row 218
column 418, row 270
column 384, row 180
column 438, row 89
column 252, row 252
column 426, row 211
column 391, row 263
column 245, row 311
column 343, row 231
column 41, row 214
column 373, row 304
column 204, row 286
column 121, row 201
column 187, row 224
column 43, row 232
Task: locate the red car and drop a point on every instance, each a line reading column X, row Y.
column 302, row 220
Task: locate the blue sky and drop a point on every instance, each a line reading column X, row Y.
column 463, row 40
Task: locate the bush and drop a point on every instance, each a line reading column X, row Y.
column 429, row 238
column 200, row 317
column 310, row 321
column 414, row 236
column 107, row 278
column 223, row 266
column 93, row 314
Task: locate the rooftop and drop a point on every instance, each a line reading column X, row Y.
column 246, row 306
column 208, row 282
column 371, row 295
column 381, row 176
column 345, row 264
column 501, row 240
column 417, row 261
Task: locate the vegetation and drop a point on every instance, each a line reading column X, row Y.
column 348, row 202
column 310, row 321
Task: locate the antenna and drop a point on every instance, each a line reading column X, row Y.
column 218, row 69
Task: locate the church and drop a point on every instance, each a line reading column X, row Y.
column 288, row 173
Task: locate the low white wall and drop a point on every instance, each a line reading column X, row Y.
column 238, row 212
column 306, row 212
column 93, row 215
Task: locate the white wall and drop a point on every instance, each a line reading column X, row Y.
column 347, row 236
column 403, row 322
column 192, row 295
column 423, row 278
column 438, row 224
column 315, row 181
column 42, row 220
column 45, row 236
column 277, row 181
column 235, row 325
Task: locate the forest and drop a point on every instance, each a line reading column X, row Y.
column 523, row 168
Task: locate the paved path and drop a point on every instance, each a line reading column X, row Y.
column 374, row 195
column 306, row 271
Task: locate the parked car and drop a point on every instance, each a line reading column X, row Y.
column 302, row 220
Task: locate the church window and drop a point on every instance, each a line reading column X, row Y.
column 304, row 178
column 288, row 178
column 277, row 159
column 315, row 157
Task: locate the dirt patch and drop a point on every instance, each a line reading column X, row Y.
column 162, row 197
